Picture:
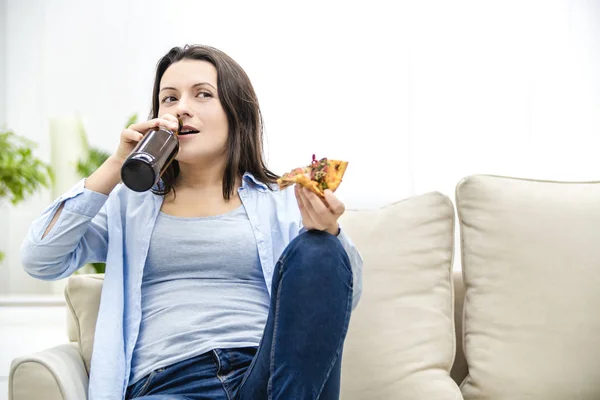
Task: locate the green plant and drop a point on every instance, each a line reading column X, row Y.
column 92, row 161
column 86, row 166
column 95, row 157
column 21, row 173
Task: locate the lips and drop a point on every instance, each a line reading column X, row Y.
column 188, row 130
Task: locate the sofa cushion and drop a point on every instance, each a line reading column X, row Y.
column 401, row 342
column 531, row 265
column 82, row 294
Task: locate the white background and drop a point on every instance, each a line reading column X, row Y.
column 415, row 94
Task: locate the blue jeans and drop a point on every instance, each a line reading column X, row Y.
column 299, row 356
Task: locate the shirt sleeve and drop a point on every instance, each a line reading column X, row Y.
column 356, row 262
column 79, row 236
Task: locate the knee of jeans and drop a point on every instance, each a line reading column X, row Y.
column 315, row 248
column 319, row 241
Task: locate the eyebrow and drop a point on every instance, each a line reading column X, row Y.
column 195, row 86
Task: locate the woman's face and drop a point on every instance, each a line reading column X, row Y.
column 188, row 90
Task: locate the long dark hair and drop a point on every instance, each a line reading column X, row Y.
column 238, row 99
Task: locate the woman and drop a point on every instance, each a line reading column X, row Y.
column 218, row 285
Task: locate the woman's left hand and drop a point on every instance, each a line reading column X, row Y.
column 318, row 214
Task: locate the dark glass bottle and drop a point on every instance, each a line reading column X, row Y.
column 150, row 158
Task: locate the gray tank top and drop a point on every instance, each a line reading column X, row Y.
column 203, row 288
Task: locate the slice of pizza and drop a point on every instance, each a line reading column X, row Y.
column 317, row 177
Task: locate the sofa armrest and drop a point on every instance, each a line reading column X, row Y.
column 54, row 374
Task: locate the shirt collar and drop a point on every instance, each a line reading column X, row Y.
column 248, row 178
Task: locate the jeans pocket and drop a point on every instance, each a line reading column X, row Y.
column 242, row 357
column 142, row 387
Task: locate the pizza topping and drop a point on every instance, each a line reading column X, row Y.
column 319, row 170
column 294, row 172
column 314, row 162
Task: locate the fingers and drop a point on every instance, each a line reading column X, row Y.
column 318, row 213
column 165, row 121
column 131, row 136
column 306, row 218
column 320, row 216
column 170, row 117
column 315, row 202
column 335, row 205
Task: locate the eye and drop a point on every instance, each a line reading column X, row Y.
column 168, row 99
column 204, row 93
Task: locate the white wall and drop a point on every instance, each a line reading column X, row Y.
column 3, row 32
column 25, row 113
column 4, row 283
column 429, row 91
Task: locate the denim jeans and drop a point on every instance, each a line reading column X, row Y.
column 299, row 356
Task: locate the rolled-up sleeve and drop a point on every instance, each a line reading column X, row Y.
column 79, row 236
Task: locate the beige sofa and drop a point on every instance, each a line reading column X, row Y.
column 61, row 373
column 530, row 285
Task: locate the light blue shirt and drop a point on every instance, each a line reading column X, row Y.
column 202, row 289
column 81, row 235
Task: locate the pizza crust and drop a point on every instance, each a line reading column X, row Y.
column 335, row 173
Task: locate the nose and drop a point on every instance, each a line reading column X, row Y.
column 183, row 108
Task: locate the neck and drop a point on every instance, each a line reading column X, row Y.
column 206, row 177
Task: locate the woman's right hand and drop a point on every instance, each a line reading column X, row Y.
column 135, row 132
column 105, row 178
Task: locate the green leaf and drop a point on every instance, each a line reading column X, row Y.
column 132, row 120
column 99, row 267
column 96, row 157
column 21, row 173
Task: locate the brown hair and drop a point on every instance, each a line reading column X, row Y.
column 237, row 96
